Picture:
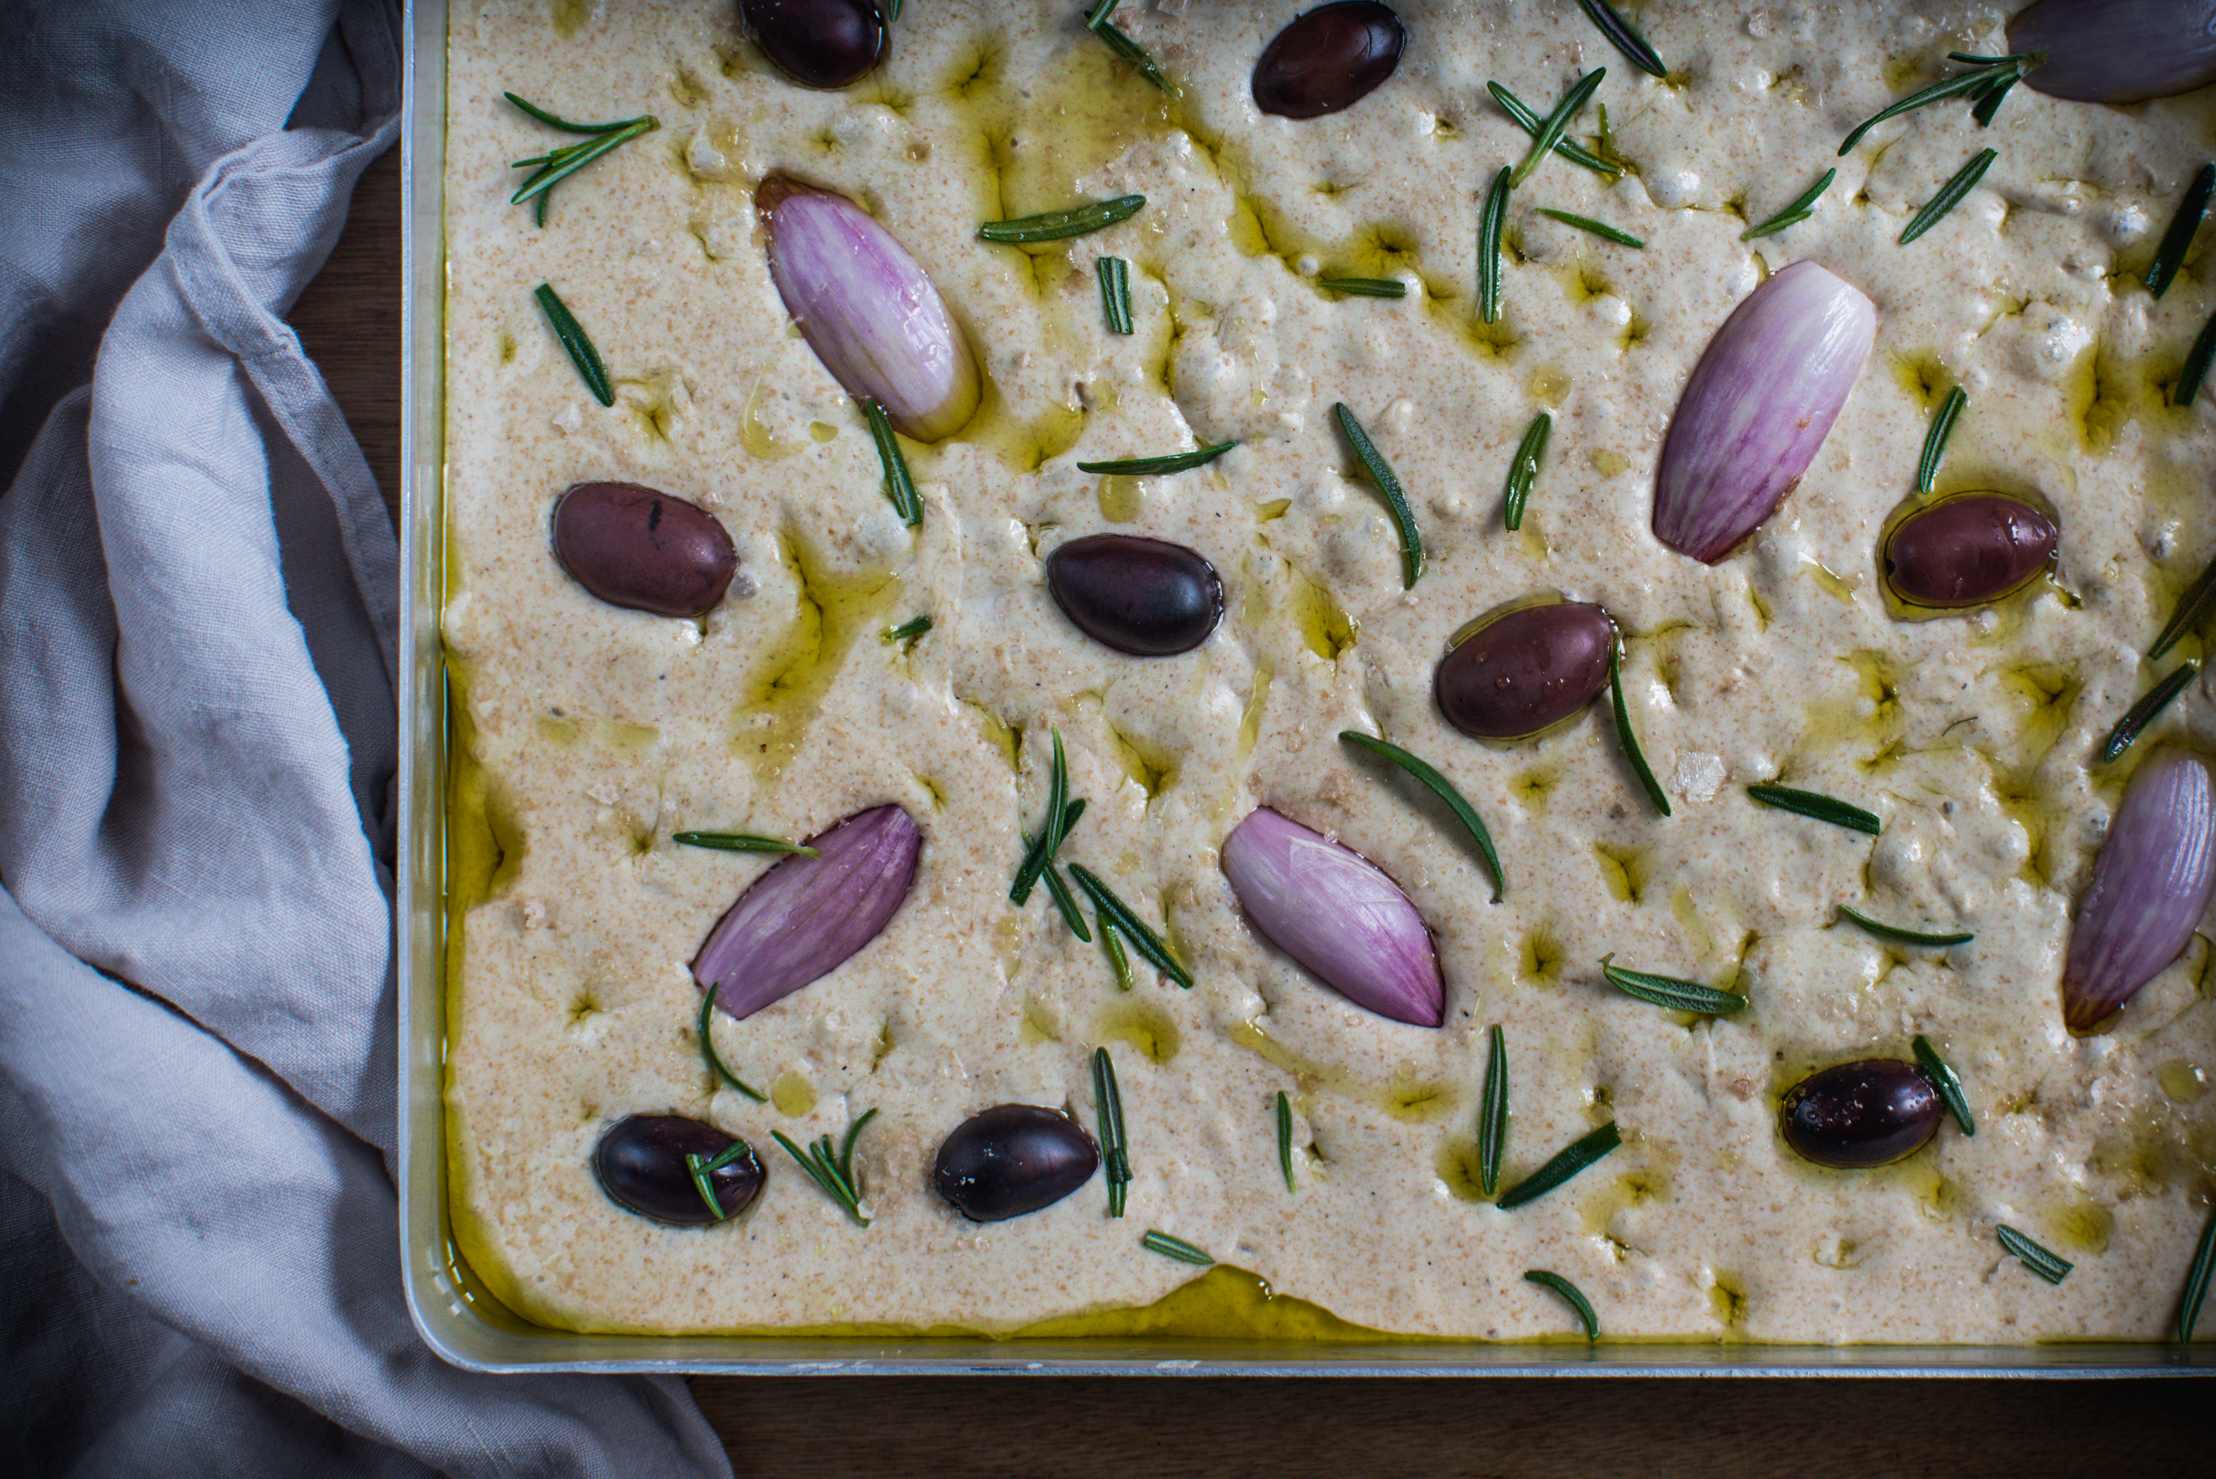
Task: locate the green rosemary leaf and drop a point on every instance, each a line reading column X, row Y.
column 1442, row 788
column 900, row 489
column 1064, row 901
column 1904, row 936
column 1177, row 1248
column 1974, row 59
column 1111, row 944
column 1131, row 51
column 2147, row 710
column 697, row 1168
column 1523, row 471
column 1621, row 36
column 2192, row 605
column 1550, row 131
column 1285, row 1139
column 1365, row 287
column 2178, row 240
column 572, row 128
column 1114, row 911
column 2196, row 1281
column 1490, row 222
column 1949, row 1084
column 1492, row 1110
column 914, row 627
column 1143, row 467
column 1571, row 1159
column 832, row 1171
column 1963, row 84
column 1115, row 1148
column 714, row 1061
column 575, row 158
column 2044, row 1262
column 1081, row 220
column 1568, row 1291
column 1775, row 224
column 1950, row 194
column 2195, row 368
column 1624, row 733
column 1098, row 16
column 892, row 10
column 1935, row 440
column 1989, row 102
column 1070, row 814
column 1670, row 992
column 1039, row 851
column 1818, row 807
column 1569, row 149
column 1388, row 486
column 578, row 343
column 1598, row 228
column 1115, row 291
column 741, row 842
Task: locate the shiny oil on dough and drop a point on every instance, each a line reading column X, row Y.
column 594, row 733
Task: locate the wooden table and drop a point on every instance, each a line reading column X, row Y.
column 1162, row 1428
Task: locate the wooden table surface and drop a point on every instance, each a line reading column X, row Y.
column 1165, row 1427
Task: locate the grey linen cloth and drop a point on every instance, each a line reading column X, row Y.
column 198, row 1228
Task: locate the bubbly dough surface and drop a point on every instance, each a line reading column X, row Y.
column 600, row 732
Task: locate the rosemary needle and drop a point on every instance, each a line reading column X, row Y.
column 908, row 630
column 2147, row 710
column 1442, row 788
column 1523, row 470
column 1490, row 222
column 1131, row 51
column 1950, row 194
column 1546, row 1279
column 1365, row 287
column 2191, row 606
column 2195, row 368
column 1930, row 941
column 1116, row 913
column 578, row 343
column 1800, row 210
column 900, row 488
column 1157, row 466
column 1948, row 1083
column 2042, row 1261
column 1098, row 15
column 1989, row 73
column 1629, row 739
column 1935, row 440
column 1600, row 229
column 1670, row 992
column 1621, row 36
column 1115, row 1146
column 1569, row 149
column 1567, row 1162
column 1111, row 945
column 1818, row 807
column 2178, row 240
column 1115, row 293
column 742, row 841
column 701, row 1167
column 1177, row 1248
column 715, row 1062
column 1388, row 487
column 1492, row 1110
column 1550, row 131
column 1285, row 1139
column 1061, row 815
column 1079, row 220
column 2196, row 1282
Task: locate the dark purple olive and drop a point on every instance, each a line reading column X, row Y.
column 1013, row 1159
column 1861, row 1114
column 2117, row 51
column 637, row 548
column 1968, row 550
column 1146, row 597
column 1526, row 669
column 1330, row 58
column 817, row 43
column 640, row 1163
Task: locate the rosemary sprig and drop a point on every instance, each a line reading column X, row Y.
column 1803, row 206
column 1144, row 467
column 1567, row 1162
column 1950, row 194
column 1039, row 850
column 1600, row 229
column 1624, row 733
column 1490, row 222
column 1177, row 1248
column 900, row 489
column 1131, row 51
column 1935, row 440
column 1115, row 913
column 558, row 165
column 833, row 1172
column 741, row 842
column 2178, row 239
column 1569, row 1291
column 1492, row 1110
column 1990, row 73
column 1818, row 807
column 1111, row 945
column 1621, row 36
column 1115, row 290
column 1569, row 149
column 2196, row 1281
column 578, row 343
column 1285, row 1139
column 1365, row 287
column 1523, row 471
column 1949, row 1084
column 1903, row 936
column 2147, row 710
column 1081, row 220
column 700, row 1168
column 2044, row 1262
column 1442, row 788
column 1550, row 132
column 1388, row 487
column 1670, row 992
column 1066, row 903
column 714, row 1061
column 1115, row 1146
column 2191, row 606
column 908, row 630
column 2195, row 368
column 1098, row 15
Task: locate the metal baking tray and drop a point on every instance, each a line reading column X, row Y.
column 457, row 1315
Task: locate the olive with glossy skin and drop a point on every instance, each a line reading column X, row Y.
column 1147, row 597
column 1858, row 1114
column 1328, row 59
column 1013, row 1159
column 642, row 549
column 818, row 43
column 1967, row 550
column 1526, row 670
column 640, row 1164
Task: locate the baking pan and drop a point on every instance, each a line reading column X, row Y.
column 461, row 1320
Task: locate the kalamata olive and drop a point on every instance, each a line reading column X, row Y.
column 1967, row 550
column 818, row 43
column 1526, row 669
column 1861, row 1114
column 1146, row 597
column 641, row 549
column 1330, row 58
column 1013, row 1159
column 640, row 1163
